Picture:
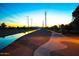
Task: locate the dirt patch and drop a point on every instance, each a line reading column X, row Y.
column 71, row 50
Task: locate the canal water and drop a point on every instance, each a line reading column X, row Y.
column 5, row 41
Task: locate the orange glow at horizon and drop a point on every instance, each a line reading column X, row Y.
column 15, row 24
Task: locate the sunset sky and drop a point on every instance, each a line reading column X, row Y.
column 15, row 14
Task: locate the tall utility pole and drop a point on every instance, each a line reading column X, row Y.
column 28, row 21
column 31, row 22
column 42, row 23
column 45, row 19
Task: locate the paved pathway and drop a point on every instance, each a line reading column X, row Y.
column 49, row 46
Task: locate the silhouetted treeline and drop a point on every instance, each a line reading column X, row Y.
column 8, row 30
column 75, row 22
column 4, row 26
column 61, row 28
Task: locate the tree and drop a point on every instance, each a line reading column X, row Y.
column 3, row 25
column 61, row 26
column 75, row 15
column 55, row 28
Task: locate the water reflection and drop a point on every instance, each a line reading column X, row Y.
column 5, row 41
column 9, row 39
